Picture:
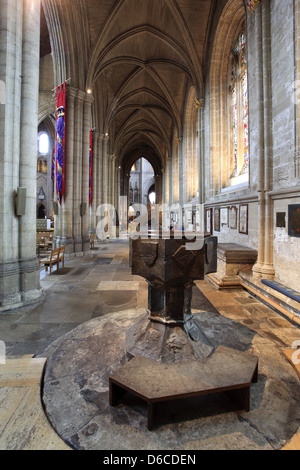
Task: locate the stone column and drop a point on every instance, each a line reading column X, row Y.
column 181, row 176
column 72, row 223
column 93, row 205
column 260, row 147
column 166, row 190
column 117, row 188
column 113, row 180
column 29, row 269
column 158, row 188
column 105, row 170
column 87, row 104
column 19, row 75
column 268, row 268
column 297, row 78
column 264, row 265
column 201, row 139
column 170, row 182
column 109, row 178
column 10, row 76
column 159, row 194
column 99, row 185
column 126, row 181
column 67, row 203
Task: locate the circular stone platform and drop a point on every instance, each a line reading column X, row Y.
column 76, row 398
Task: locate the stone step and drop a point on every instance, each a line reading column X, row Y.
column 23, row 423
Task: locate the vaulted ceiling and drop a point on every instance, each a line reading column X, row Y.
column 139, row 58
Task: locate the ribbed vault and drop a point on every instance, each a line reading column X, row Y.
column 139, row 58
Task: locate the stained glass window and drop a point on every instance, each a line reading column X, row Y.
column 234, row 130
column 239, row 108
column 245, row 121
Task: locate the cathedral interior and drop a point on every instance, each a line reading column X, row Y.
column 150, row 210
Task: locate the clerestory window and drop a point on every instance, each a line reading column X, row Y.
column 238, row 98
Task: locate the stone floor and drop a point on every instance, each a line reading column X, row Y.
column 80, row 326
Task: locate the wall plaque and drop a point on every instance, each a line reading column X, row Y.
column 280, row 219
column 224, row 216
column 233, row 217
column 208, row 221
column 294, row 220
column 243, row 218
column 217, row 219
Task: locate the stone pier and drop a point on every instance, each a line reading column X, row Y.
column 19, row 71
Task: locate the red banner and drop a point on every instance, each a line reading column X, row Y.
column 53, row 164
column 91, row 167
column 60, row 140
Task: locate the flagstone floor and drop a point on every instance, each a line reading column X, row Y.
column 89, row 287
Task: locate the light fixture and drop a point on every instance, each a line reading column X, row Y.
column 89, row 91
column 43, row 143
column 152, row 198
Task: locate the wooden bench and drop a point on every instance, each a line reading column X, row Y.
column 61, row 256
column 52, row 258
column 227, row 370
column 44, row 241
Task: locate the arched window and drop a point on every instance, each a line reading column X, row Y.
column 238, row 91
column 43, row 143
column 152, row 197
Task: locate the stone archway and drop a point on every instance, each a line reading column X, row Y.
column 126, row 164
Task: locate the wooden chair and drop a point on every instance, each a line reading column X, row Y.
column 61, row 256
column 52, row 258
column 41, row 246
column 50, row 240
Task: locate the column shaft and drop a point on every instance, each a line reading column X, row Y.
column 67, row 204
column 29, row 269
column 85, row 172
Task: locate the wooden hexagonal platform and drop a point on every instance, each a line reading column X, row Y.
column 227, row 370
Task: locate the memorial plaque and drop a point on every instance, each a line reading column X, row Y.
column 224, row 215
column 280, row 219
column 243, row 218
column 208, row 221
column 233, row 217
column 217, row 219
column 294, row 220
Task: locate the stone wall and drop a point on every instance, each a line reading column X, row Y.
column 286, row 181
column 274, row 181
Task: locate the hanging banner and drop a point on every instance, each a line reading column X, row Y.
column 53, row 164
column 91, row 166
column 60, row 140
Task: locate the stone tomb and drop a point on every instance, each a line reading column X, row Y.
column 232, row 259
